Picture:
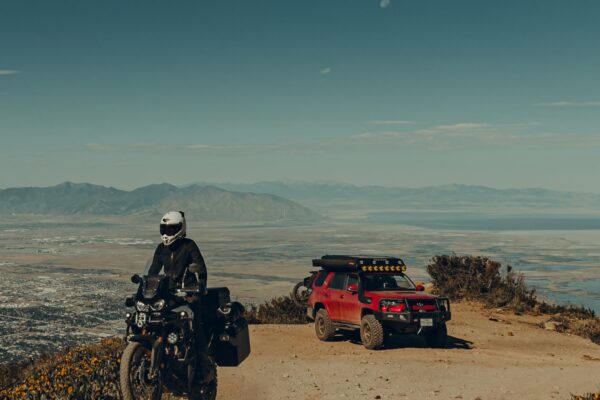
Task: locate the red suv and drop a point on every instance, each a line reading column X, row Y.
column 373, row 295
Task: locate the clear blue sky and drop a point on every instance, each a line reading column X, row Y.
column 409, row 93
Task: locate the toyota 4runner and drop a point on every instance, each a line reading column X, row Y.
column 373, row 295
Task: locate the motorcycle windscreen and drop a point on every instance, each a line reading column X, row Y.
column 152, row 284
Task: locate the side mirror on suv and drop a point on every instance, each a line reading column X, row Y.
column 352, row 288
column 420, row 288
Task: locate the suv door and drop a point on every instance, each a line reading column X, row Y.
column 349, row 306
column 336, row 291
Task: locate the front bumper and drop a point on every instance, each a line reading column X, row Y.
column 411, row 321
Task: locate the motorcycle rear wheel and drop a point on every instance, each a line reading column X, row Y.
column 300, row 294
column 133, row 374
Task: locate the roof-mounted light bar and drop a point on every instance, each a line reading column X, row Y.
column 360, row 263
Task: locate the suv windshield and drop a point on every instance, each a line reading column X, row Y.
column 375, row 283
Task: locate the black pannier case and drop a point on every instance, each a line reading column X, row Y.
column 231, row 342
column 232, row 346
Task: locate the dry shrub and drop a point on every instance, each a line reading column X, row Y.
column 480, row 278
column 588, row 328
column 485, row 280
column 278, row 310
column 589, row 396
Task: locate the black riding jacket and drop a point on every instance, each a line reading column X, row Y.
column 176, row 258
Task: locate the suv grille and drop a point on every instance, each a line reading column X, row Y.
column 422, row 305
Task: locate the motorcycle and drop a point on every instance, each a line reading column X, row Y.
column 302, row 290
column 161, row 352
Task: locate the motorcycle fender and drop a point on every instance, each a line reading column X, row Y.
column 143, row 340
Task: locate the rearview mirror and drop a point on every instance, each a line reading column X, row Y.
column 420, row 288
column 352, row 288
column 136, row 278
column 129, row 301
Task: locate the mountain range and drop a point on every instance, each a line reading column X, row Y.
column 203, row 202
column 281, row 201
column 329, row 196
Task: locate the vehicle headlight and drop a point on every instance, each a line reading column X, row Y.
column 158, row 305
column 142, row 306
column 388, row 303
column 172, row 338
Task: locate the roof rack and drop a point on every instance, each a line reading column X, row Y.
column 358, row 263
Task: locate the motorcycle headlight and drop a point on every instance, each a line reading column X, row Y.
column 142, row 306
column 158, row 305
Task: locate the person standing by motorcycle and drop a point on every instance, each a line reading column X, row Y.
column 174, row 256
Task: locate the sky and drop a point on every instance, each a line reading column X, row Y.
column 368, row 92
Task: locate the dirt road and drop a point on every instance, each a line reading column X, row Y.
column 506, row 357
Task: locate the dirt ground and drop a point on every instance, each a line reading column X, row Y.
column 491, row 355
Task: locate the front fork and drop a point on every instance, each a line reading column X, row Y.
column 158, row 350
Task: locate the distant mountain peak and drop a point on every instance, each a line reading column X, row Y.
column 201, row 202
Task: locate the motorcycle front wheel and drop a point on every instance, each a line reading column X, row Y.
column 134, row 374
column 203, row 392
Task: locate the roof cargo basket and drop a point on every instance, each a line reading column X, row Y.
column 342, row 262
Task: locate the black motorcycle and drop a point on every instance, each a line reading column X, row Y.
column 302, row 289
column 161, row 352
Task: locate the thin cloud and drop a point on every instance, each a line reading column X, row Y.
column 460, row 127
column 391, row 122
column 385, row 3
column 470, row 135
column 173, row 148
column 569, row 104
column 325, row 71
column 9, row 72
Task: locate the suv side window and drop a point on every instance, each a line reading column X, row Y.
column 320, row 278
column 352, row 280
column 338, row 281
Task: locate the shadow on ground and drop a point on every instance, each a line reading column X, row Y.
column 406, row 341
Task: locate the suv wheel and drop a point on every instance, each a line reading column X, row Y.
column 371, row 332
column 323, row 326
column 438, row 337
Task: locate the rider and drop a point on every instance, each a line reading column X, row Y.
column 174, row 255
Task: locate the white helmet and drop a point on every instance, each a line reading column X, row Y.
column 172, row 226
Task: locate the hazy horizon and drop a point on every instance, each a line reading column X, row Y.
column 294, row 182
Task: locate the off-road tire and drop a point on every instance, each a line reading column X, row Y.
column 297, row 296
column 371, row 332
column 437, row 338
column 124, row 373
column 211, row 388
column 324, row 328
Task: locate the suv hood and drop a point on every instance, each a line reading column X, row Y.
column 400, row 295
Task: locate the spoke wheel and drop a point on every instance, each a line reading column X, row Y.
column 135, row 379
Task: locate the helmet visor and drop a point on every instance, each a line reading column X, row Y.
column 170, row 230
